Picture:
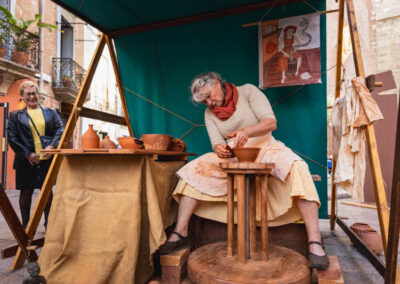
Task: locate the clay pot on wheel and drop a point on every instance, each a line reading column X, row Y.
column 369, row 236
column 246, row 154
column 90, row 139
column 107, row 143
column 156, row 141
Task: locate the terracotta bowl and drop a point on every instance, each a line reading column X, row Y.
column 177, row 145
column 129, row 143
column 246, row 154
column 156, row 141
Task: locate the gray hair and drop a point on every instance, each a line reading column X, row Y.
column 200, row 81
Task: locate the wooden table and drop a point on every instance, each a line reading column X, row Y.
column 157, row 155
column 109, row 212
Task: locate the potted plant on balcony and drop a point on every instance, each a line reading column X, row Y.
column 66, row 81
column 22, row 39
column 3, row 50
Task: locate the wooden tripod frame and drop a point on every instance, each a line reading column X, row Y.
column 21, row 236
column 379, row 188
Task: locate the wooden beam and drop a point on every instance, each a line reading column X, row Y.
column 56, row 163
column 394, row 224
column 94, row 114
column 12, row 250
column 117, row 74
column 337, row 94
column 15, row 225
column 199, row 17
column 379, row 186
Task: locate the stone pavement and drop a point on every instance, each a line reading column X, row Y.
column 355, row 268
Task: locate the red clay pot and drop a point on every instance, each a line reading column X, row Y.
column 156, row 141
column 3, row 52
column 369, row 236
column 107, row 143
column 20, row 57
column 129, row 143
column 177, row 145
column 246, row 154
column 90, row 139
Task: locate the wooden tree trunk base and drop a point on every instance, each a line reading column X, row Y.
column 209, row 264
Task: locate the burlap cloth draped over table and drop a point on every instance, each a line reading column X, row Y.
column 107, row 218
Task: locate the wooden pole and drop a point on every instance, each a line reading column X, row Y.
column 119, row 81
column 337, row 94
column 241, row 217
column 379, row 187
column 15, row 225
column 230, row 215
column 56, row 163
column 394, row 224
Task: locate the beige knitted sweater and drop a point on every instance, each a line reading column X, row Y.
column 252, row 107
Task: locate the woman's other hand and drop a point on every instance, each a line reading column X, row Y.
column 241, row 137
column 222, row 151
column 33, row 158
column 49, row 147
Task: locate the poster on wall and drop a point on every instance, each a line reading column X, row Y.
column 289, row 51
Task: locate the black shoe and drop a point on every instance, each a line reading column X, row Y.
column 317, row 261
column 170, row 247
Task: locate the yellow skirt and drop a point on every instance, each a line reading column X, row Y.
column 281, row 208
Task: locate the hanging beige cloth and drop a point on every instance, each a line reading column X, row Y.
column 107, row 219
column 350, row 114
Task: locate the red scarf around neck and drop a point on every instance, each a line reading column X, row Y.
column 229, row 105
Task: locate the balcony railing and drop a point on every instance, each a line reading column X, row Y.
column 67, row 74
column 18, row 45
column 67, row 77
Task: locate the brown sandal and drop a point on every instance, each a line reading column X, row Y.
column 170, row 247
column 317, row 261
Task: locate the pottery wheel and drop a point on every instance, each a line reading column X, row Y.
column 209, row 264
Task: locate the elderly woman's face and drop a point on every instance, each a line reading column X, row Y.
column 214, row 94
column 31, row 97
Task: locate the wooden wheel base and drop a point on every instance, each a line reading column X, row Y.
column 209, row 264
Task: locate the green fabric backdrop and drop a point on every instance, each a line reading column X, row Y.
column 160, row 65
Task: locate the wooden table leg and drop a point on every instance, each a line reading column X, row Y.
column 264, row 217
column 241, row 213
column 230, row 215
column 253, row 228
column 15, row 225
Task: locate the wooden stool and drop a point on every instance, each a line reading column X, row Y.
column 240, row 174
column 214, row 263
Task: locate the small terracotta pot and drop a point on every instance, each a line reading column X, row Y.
column 90, row 139
column 66, row 82
column 156, row 141
column 369, row 236
column 129, row 143
column 20, row 57
column 177, row 145
column 107, row 143
column 246, row 154
column 3, row 52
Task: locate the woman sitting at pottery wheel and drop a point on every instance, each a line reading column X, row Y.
column 238, row 116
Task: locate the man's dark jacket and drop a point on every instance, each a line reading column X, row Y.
column 20, row 135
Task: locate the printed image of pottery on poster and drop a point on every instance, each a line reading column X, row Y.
column 289, row 51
